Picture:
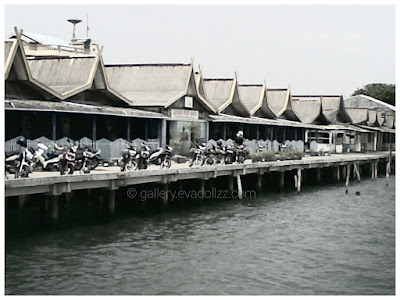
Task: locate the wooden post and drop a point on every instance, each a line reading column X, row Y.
column 230, row 183
column 54, row 209
column 224, row 132
column 128, row 129
column 318, row 175
column 348, row 178
column 239, row 185
column 202, row 188
column 111, row 201
column 372, row 166
column 21, row 201
column 259, row 182
column 281, row 180
column 357, row 173
column 94, row 129
column 164, row 199
column 338, row 173
column 54, row 126
column 257, row 132
column 298, row 180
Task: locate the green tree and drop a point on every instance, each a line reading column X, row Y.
column 380, row 91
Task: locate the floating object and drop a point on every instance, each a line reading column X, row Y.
column 358, row 193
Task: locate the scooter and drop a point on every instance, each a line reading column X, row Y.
column 162, row 157
column 87, row 158
column 241, row 154
column 128, row 160
column 49, row 159
column 229, row 154
column 26, row 162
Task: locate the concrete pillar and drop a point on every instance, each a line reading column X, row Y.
column 357, row 173
column 281, row 180
column 111, row 201
column 163, row 133
column 54, row 209
column 258, row 132
column 207, row 131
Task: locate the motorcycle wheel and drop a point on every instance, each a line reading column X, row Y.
column 94, row 163
column 24, row 173
column 198, row 161
column 61, row 167
column 131, row 165
column 241, row 159
column 144, row 164
column 228, row 159
column 166, row 163
column 209, row 161
column 71, row 169
column 87, row 167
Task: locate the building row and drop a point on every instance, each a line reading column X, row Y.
column 56, row 89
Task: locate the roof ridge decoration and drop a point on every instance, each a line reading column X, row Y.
column 10, row 58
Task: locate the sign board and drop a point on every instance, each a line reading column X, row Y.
column 189, row 102
column 185, row 114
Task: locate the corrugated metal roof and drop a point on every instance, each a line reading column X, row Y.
column 250, row 95
column 218, row 91
column 149, row 85
column 62, row 75
column 71, row 107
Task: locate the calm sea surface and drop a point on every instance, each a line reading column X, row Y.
column 320, row 241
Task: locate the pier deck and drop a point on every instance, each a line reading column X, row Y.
column 51, row 183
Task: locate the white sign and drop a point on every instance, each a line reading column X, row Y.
column 189, row 102
column 185, row 114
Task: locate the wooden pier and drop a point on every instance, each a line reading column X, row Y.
column 112, row 179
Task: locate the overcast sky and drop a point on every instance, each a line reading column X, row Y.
column 314, row 49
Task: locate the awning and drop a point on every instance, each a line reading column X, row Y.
column 381, row 129
column 71, row 107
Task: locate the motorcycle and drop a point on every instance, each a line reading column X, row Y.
column 241, row 154
column 128, row 161
column 87, row 158
column 209, row 156
column 26, row 162
column 142, row 156
column 162, row 157
column 229, row 154
column 67, row 162
column 49, row 159
column 198, row 155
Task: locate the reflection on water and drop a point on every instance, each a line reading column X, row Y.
column 319, row 241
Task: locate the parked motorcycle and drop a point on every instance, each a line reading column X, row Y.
column 67, row 162
column 87, row 158
column 20, row 163
column 143, row 156
column 241, row 154
column 162, row 157
column 198, row 155
column 229, row 154
column 49, row 159
column 128, row 161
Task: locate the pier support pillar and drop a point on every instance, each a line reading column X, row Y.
column 357, row 173
column 298, row 178
column 259, row 182
column 338, row 173
column 239, row 185
column 348, row 167
column 164, row 199
column 281, row 180
column 202, row 188
column 318, row 175
column 111, row 201
column 54, row 209
column 21, row 201
column 230, row 183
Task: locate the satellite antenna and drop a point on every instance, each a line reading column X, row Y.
column 74, row 22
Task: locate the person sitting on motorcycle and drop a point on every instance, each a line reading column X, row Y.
column 238, row 142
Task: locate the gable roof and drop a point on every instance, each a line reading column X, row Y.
column 43, row 39
column 223, row 93
column 279, row 101
column 152, row 84
column 10, row 49
column 363, row 101
column 333, row 109
column 308, row 109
